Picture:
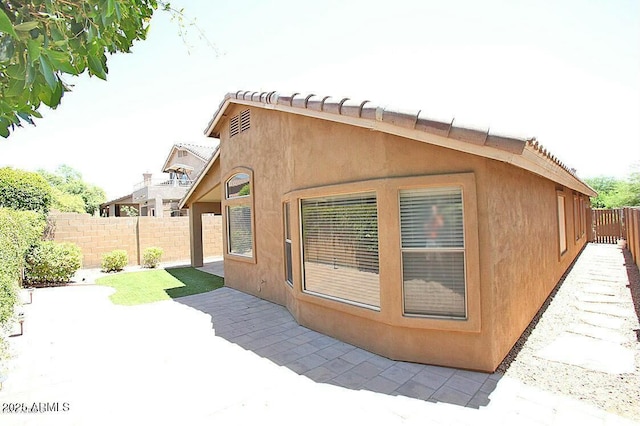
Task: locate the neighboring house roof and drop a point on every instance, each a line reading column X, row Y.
column 200, row 151
column 122, row 200
column 525, row 153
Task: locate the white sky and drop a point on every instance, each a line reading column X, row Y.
column 567, row 72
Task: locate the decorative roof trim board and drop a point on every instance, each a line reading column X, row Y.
column 525, row 153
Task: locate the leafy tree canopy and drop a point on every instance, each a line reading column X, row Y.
column 71, row 193
column 614, row 193
column 42, row 40
column 22, row 190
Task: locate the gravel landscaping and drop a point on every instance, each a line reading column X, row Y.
column 593, row 304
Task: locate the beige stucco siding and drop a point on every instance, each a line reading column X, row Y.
column 524, row 246
column 512, row 256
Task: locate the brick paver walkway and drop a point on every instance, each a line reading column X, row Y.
column 270, row 331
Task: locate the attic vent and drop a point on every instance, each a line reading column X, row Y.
column 234, row 126
column 245, row 120
column 240, row 123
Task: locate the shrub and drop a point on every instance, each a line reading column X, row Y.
column 50, row 262
column 18, row 231
column 151, row 257
column 114, row 261
column 22, row 190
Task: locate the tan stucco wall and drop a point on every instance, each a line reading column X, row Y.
column 98, row 235
column 516, row 219
column 524, row 247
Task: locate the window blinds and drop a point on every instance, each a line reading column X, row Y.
column 240, row 236
column 340, row 248
column 433, row 263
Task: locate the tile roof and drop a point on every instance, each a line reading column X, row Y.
column 204, row 152
column 354, row 111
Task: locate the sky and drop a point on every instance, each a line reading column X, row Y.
column 566, row 72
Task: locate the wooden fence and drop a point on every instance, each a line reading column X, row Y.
column 631, row 224
column 607, row 225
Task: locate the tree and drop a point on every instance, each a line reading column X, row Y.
column 43, row 40
column 65, row 202
column 614, row 193
column 22, row 190
column 71, row 193
column 603, row 185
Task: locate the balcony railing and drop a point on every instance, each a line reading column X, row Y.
column 181, row 183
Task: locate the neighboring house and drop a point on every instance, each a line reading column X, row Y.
column 412, row 237
column 161, row 197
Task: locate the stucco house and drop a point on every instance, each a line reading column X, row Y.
column 161, row 196
column 412, row 237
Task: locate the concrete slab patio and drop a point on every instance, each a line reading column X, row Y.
column 225, row 357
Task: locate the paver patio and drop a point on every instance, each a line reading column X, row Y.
column 225, row 357
column 269, row 331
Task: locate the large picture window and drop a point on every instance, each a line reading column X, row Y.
column 433, row 252
column 340, row 248
column 239, row 212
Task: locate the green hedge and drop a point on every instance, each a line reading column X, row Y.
column 22, row 190
column 49, row 262
column 19, row 230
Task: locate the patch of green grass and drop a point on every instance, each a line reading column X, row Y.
column 135, row 288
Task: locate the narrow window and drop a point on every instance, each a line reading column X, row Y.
column 583, row 216
column 562, row 225
column 576, row 217
column 287, row 244
column 340, row 248
column 239, row 212
column 433, row 252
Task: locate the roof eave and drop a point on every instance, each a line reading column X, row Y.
column 166, row 162
column 201, row 176
column 209, row 131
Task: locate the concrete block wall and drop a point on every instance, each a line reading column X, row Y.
column 98, row 235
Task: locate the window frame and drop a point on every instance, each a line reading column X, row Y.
column 239, row 201
column 583, row 216
column 389, row 249
column 576, row 218
column 562, row 230
column 425, row 250
column 335, row 298
column 288, row 242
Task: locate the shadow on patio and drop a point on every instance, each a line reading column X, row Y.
column 270, row 331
